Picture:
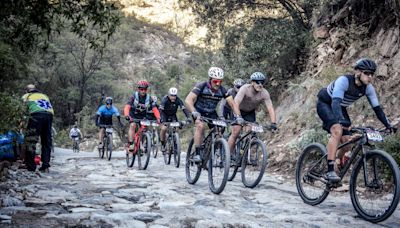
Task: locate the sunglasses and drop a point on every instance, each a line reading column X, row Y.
column 368, row 73
column 173, row 95
column 216, row 81
column 108, row 103
column 142, row 89
column 259, row 82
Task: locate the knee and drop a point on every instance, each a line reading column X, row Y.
column 199, row 125
column 336, row 132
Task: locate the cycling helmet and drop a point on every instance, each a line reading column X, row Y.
column 258, row 76
column 108, row 100
column 216, row 73
column 365, row 64
column 143, row 84
column 238, row 83
column 154, row 98
column 173, row 91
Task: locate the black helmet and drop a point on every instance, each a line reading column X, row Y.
column 365, row 64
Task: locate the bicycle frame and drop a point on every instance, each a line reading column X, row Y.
column 138, row 134
column 215, row 132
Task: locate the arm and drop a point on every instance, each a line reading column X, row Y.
column 156, row 113
column 233, row 105
column 190, row 100
column 271, row 110
column 374, row 102
column 221, row 107
column 184, row 110
column 340, row 87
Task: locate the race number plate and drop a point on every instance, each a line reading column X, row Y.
column 257, row 128
column 174, row 124
column 374, row 136
column 109, row 130
column 145, row 123
column 219, row 123
column 154, row 124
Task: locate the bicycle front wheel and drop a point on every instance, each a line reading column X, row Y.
column 177, row 149
column 254, row 162
column 192, row 169
column 109, row 146
column 155, row 143
column 130, row 157
column 218, row 166
column 169, row 150
column 310, row 170
column 374, row 186
column 144, row 151
column 101, row 151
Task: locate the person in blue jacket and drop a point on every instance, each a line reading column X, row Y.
column 104, row 117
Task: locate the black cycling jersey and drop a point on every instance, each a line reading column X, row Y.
column 207, row 99
column 168, row 108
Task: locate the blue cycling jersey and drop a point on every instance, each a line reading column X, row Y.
column 346, row 89
column 105, row 112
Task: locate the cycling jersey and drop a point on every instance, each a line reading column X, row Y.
column 346, row 89
column 249, row 99
column 74, row 132
column 168, row 108
column 106, row 114
column 207, row 99
column 37, row 102
column 137, row 106
column 225, row 109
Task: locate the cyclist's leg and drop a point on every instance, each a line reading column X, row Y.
column 198, row 138
column 331, row 125
column 101, row 133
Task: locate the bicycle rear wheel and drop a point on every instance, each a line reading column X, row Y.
column 374, row 186
column 218, row 166
column 192, row 169
column 144, row 151
column 310, row 170
column 109, row 146
column 254, row 162
column 177, row 149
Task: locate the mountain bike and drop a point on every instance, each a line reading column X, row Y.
column 75, row 144
column 107, row 142
column 173, row 143
column 251, row 155
column 155, row 138
column 215, row 157
column 142, row 145
column 374, row 180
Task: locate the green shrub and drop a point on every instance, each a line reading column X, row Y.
column 312, row 136
column 12, row 112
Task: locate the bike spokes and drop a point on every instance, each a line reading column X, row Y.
column 374, row 187
column 218, row 166
column 254, row 163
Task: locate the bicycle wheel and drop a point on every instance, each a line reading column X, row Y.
column 169, row 150
column 144, row 151
column 254, row 162
column 192, row 169
column 155, row 143
column 130, row 158
column 235, row 162
column 177, row 149
column 374, row 186
column 310, row 169
column 101, row 150
column 109, row 146
column 218, row 166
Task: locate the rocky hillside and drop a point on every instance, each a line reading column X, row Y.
column 336, row 49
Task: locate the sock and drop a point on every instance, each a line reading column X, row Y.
column 331, row 165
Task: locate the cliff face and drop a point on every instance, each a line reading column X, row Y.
column 335, row 50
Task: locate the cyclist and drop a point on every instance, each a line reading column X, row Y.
column 225, row 110
column 75, row 133
column 104, row 117
column 333, row 101
column 203, row 100
column 249, row 98
column 168, row 108
column 137, row 107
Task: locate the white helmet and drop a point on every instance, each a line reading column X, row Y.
column 216, row 73
column 173, row 91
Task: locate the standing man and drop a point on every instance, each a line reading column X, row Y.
column 39, row 125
